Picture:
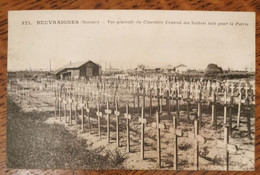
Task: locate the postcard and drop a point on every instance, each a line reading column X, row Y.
column 131, row 89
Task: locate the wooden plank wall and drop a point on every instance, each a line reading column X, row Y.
column 230, row 5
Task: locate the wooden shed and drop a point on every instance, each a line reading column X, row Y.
column 79, row 70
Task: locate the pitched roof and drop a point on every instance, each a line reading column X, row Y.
column 181, row 65
column 73, row 66
column 168, row 67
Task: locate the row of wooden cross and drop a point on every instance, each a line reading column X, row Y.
column 227, row 102
column 68, row 99
column 85, row 112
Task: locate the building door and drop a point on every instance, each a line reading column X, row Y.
column 89, row 71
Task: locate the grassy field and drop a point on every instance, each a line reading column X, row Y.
column 32, row 143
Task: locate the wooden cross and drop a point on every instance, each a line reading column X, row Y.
column 60, row 99
column 70, row 103
column 151, row 99
column 177, row 98
column 88, row 114
column 230, row 115
column 168, row 100
column 138, row 98
column 225, row 106
column 188, row 100
column 160, row 96
column 239, row 106
column 76, row 105
column 143, row 122
column 176, row 133
column 229, row 148
column 158, row 127
column 232, row 87
column 108, row 112
column 128, row 117
column 250, row 109
column 218, row 86
column 99, row 114
column 227, row 86
column 213, row 109
column 209, row 87
column 197, row 138
column 55, row 104
column 144, row 96
column 198, row 97
column 213, row 87
column 82, row 105
column 134, row 93
column 117, row 113
column 247, row 88
column 158, row 99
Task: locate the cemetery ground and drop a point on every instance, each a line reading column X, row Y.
column 37, row 139
column 33, row 143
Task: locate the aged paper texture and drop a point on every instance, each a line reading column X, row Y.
column 131, row 89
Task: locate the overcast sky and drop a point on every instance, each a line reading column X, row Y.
column 127, row 45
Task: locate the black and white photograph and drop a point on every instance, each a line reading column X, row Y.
column 131, row 90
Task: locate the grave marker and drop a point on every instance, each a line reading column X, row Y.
column 213, row 110
column 117, row 113
column 197, row 138
column 82, row 115
column 176, row 133
column 229, row 148
column 143, row 122
column 128, row 117
column 65, row 107
column 108, row 112
column 60, row 105
column 158, row 127
column 55, row 104
column 99, row 114
column 70, row 103
column 88, row 114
